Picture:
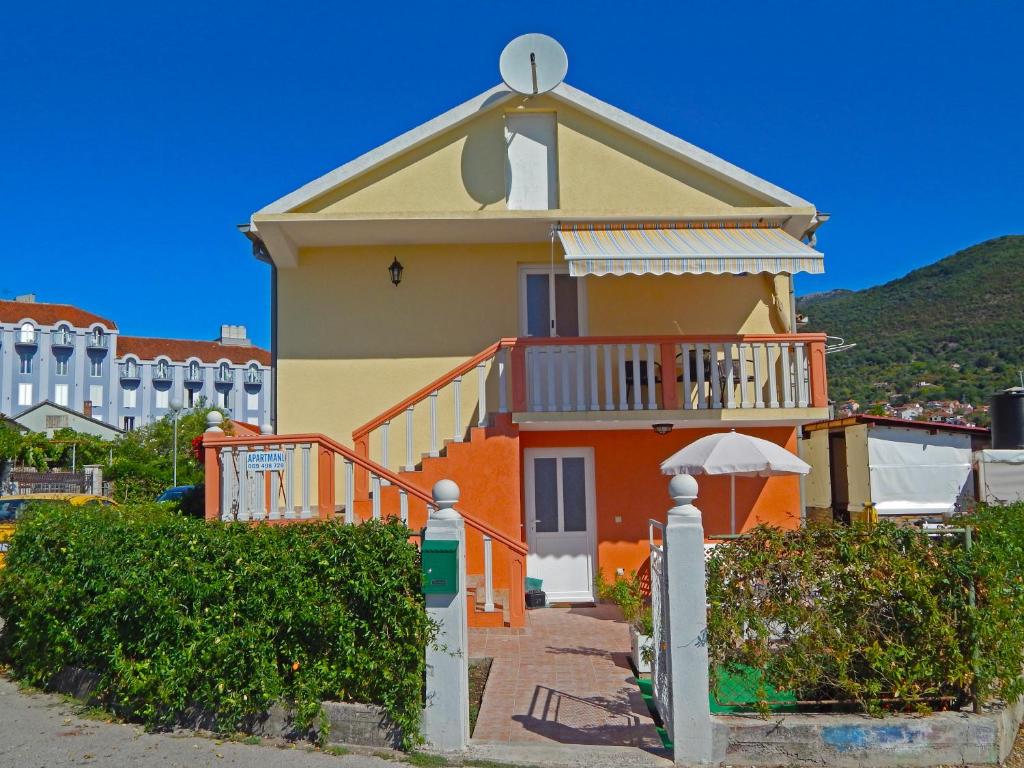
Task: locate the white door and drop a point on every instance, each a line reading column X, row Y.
column 560, row 522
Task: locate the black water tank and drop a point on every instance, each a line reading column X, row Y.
column 1007, row 412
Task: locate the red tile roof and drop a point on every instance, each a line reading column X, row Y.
column 50, row 314
column 147, row 348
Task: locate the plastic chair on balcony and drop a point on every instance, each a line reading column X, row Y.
column 644, row 380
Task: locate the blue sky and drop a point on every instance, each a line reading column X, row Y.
column 136, row 136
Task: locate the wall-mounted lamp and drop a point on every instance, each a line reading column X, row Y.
column 396, row 271
column 662, row 429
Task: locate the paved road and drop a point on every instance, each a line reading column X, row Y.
column 42, row 731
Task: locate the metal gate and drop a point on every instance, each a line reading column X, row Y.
column 661, row 664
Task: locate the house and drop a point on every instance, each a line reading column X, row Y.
column 48, row 417
column 540, row 297
column 80, row 361
column 899, row 469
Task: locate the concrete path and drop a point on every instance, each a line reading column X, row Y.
column 565, row 680
column 43, row 731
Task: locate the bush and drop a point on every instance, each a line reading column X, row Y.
column 175, row 612
column 866, row 614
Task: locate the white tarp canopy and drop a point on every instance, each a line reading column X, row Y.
column 1000, row 476
column 734, row 454
column 912, row 472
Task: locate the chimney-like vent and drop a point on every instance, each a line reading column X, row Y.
column 87, row 408
column 234, row 335
column 26, row 298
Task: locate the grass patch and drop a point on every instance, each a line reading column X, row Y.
column 332, row 749
column 479, row 670
column 426, row 760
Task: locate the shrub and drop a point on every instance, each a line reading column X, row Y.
column 175, row 612
column 866, row 614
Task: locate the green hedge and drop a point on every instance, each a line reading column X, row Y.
column 866, row 614
column 175, row 612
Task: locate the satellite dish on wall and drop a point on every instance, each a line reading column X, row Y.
column 533, row 64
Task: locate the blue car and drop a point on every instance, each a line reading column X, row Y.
column 175, row 493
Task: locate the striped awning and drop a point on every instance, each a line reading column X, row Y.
column 704, row 247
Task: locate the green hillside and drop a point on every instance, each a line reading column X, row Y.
column 957, row 325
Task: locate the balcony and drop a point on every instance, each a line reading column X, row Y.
column 96, row 341
column 613, row 382
column 162, row 373
column 130, row 372
column 62, row 340
column 26, row 338
column 682, row 377
column 193, row 375
column 224, row 376
column 254, row 377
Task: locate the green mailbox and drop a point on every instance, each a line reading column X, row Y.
column 440, row 562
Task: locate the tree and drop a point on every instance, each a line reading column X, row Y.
column 144, row 459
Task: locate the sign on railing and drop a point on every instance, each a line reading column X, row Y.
column 265, row 461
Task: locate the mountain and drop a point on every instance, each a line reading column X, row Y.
column 951, row 330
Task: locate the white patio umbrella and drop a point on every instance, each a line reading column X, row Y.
column 734, row 454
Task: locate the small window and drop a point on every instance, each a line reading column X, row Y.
column 222, row 399
column 190, row 398
column 129, row 423
column 57, row 422
column 252, row 401
column 60, row 366
column 25, row 366
column 95, row 367
column 163, row 398
column 96, row 395
column 60, row 395
column 129, row 398
column 24, row 394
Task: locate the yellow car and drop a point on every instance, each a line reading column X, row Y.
column 11, row 506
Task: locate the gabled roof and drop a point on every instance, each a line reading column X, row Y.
column 70, row 411
column 633, row 126
column 50, row 314
column 150, row 348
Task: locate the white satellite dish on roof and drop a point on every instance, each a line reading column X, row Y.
column 533, row 64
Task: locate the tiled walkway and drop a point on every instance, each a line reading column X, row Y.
column 567, row 679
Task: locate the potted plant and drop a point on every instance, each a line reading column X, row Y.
column 628, row 594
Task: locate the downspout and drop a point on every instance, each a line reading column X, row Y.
column 261, row 253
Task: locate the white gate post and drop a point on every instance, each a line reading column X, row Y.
column 446, row 715
column 692, row 732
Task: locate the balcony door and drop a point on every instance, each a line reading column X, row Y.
column 551, row 303
column 560, row 521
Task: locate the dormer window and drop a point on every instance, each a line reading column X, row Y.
column 163, row 370
column 224, row 372
column 27, row 334
column 254, row 375
column 193, row 371
column 97, row 339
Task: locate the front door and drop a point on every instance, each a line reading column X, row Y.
column 560, row 522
